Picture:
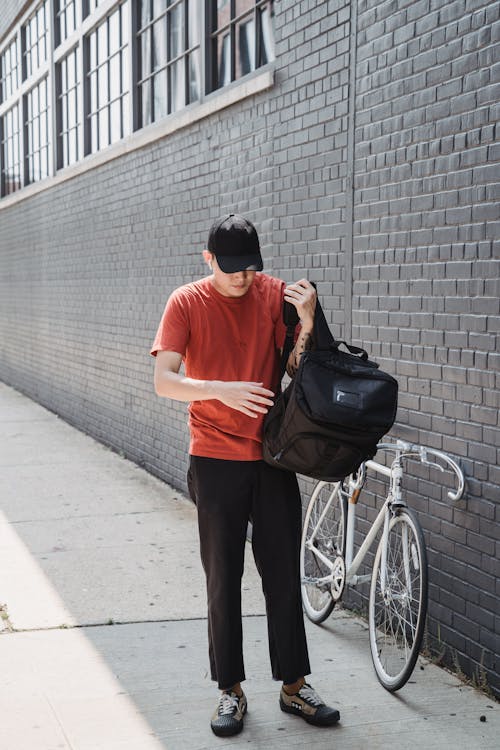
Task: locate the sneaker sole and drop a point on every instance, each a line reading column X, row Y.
column 229, row 731
column 334, row 718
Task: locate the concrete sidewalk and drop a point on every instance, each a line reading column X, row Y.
column 103, row 643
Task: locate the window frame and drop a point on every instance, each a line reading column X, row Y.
column 208, row 101
column 62, row 97
column 145, row 76
column 213, row 32
column 125, row 94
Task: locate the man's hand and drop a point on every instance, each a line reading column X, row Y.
column 302, row 296
column 251, row 399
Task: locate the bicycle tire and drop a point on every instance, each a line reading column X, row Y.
column 329, row 539
column 396, row 622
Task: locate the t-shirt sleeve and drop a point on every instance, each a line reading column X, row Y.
column 173, row 332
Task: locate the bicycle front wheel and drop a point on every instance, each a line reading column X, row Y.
column 398, row 601
column 323, row 540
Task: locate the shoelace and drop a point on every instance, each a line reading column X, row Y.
column 310, row 695
column 227, row 704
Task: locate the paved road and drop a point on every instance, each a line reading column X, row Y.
column 103, row 642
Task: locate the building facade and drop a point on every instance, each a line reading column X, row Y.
column 360, row 137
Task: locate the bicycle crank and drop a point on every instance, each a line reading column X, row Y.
column 338, row 578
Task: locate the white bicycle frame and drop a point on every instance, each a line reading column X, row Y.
column 394, row 498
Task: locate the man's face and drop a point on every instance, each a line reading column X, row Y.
column 231, row 284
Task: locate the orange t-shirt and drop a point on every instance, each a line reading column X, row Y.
column 231, row 339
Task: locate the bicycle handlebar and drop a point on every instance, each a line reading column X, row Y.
column 406, row 449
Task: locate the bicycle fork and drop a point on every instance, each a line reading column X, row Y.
column 395, row 501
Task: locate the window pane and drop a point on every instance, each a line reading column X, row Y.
column 124, row 23
column 126, row 114
column 103, row 128
column 146, row 103
column 73, row 146
column 43, row 95
column 114, row 32
column 72, row 110
column 193, row 23
column 194, row 75
column 266, row 37
column 93, row 92
column 93, row 50
column 44, row 163
column 159, row 6
column 64, row 117
column 245, row 34
column 65, row 151
column 145, row 60
column 223, row 13
column 103, row 84
column 145, row 12
column 115, row 121
column 224, row 57
column 160, row 95
column 176, row 43
column 178, row 85
column 114, row 77
column 71, row 70
column 94, row 131
column 102, row 43
column 125, row 72
column 159, row 44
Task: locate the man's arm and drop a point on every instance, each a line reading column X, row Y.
column 303, row 296
column 249, row 398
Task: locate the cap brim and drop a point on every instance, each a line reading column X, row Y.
column 235, row 263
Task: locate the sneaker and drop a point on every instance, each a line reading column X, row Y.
column 307, row 704
column 228, row 717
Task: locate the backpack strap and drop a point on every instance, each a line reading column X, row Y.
column 321, row 335
column 287, row 348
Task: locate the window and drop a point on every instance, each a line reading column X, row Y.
column 169, row 57
column 108, row 118
column 241, row 38
column 112, row 66
column 10, row 151
column 35, row 33
column 65, row 19
column 9, row 71
column 67, row 109
column 37, row 132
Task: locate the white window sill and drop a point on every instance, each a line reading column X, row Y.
column 249, row 86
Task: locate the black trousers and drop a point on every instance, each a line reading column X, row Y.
column 227, row 494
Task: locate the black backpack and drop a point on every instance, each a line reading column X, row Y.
column 333, row 413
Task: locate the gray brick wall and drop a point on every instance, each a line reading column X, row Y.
column 407, row 262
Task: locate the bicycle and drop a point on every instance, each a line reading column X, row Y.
column 398, row 592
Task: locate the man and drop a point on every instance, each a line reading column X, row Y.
column 227, row 329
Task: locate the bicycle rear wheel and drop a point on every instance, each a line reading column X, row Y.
column 396, row 615
column 324, row 532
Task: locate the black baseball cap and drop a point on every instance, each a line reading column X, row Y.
column 234, row 242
